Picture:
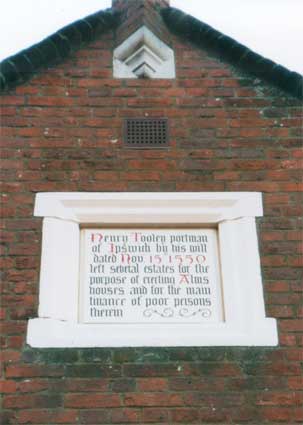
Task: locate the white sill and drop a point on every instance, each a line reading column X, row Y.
column 55, row 333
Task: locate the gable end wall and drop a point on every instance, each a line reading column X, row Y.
column 62, row 131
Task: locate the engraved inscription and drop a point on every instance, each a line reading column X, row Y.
column 148, row 276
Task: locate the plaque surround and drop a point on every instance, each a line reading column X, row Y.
column 150, row 276
column 234, row 290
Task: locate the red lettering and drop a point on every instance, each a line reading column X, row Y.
column 95, row 235
column 184, row 278
column 178, row 257
column 125, row 258
column 201, row 259
column 190, row 258
column 136, row 235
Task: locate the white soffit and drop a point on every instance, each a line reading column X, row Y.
column 143, row 55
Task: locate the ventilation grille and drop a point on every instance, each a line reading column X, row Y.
column 146, row 133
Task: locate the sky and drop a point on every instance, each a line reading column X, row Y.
column 272, row 28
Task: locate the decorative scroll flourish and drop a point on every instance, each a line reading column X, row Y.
column 184, row 312
column 167, row 312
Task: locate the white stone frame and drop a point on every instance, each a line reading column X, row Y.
column 232, row 212
column 143, row 54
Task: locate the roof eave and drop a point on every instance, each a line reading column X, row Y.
column 21, row 67
column 229, row 50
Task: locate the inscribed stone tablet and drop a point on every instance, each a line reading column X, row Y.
column 150, row 276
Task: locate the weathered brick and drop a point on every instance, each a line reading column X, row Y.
column 43, row 416
column 151, row 370
column 25, row 370
column 153, row 399
column 155, row 415
column 8, row 386
column 89, row 401
column 126, row 416
column 30, row 401
column 93, row 371
column 152, row 384
column 100, row 416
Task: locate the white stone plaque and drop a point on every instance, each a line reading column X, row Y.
column 169, row 292
column 150, row 276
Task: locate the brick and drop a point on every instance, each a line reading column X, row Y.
column 187, row 416
column 2, row 310
column 87, row 385
column 22, row 371
column 49, row 101
column 294, row 354
column 213, row 369
column 126, row 416
column 246, row 383
column 31, row 132
column 278, row 414
column 280, row 311
column 7, row 417
column 197, row 384
column 141, row 176
column 123, row 385
column 33, row 386
column 106, row 175
column 198, row 399
column 280, row 399
column 15, row 341
column 30, row 401
column 246, row 414
column 93, row 417
column 153, row 399
column 122, row 92
column 292, row 325
column 281, row 368
column 295, row 383
column 12, row 327
column 149, row 102
column 197, row 92
column 9, row 356
column 151, row 370
column 152, row 384
column 92, row 371
column 155, row 415
column 274, row 260
column 38, row 416
column 7, row 386
column 8, row 111
column 87, row 401
column 12, row 100
column 213, row 415
column 9, row 164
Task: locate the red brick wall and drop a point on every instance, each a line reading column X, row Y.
column 135, row 14
column 228, row 133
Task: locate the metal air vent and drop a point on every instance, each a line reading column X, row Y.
column 146, row 132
